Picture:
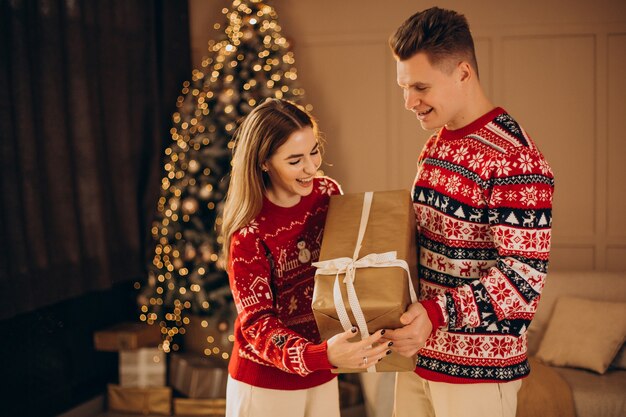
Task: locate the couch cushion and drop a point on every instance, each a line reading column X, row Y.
column 596, row 395
column 620, row 360
column 584, row 334
column 591, row 285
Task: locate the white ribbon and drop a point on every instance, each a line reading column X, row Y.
column 349, row 266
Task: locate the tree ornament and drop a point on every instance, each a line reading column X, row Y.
column 194, row 166
column 190, row 252
column 190, row 205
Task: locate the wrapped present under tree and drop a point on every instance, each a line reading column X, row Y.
column 142, row 368
column 197, row 376
column 127, row 336
column 154, row 400
column 215, row 407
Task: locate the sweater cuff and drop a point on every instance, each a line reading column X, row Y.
column 316, row 357
column 434, row 314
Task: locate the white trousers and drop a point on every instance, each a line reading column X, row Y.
column 244, row 400
column 417, row 397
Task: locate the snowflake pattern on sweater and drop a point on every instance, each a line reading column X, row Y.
column 483, row 201
column 277, row 344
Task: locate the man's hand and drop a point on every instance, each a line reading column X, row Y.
column 408, row 340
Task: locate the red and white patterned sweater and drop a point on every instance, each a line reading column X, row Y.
column 277, row 343
column 483, row 200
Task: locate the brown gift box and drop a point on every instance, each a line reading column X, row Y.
column 215, row 407
column 142, row 368
column 127, row 336
column 196, row 376
column 156, row 400
column 383, row 292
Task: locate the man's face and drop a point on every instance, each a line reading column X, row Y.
column 434, row 94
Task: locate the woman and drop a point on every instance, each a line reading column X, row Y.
column 272, row 224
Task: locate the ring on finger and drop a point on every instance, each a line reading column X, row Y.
column 364, row 360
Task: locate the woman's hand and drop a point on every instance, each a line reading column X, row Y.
column 361, row 354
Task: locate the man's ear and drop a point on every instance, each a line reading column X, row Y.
column 465, row 71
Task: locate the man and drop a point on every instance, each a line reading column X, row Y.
column 483, row 198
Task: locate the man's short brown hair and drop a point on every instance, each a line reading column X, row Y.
column 441, row 34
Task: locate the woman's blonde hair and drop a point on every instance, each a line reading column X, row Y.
column 262, row 132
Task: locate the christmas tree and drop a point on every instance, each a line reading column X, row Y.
column 249, row 62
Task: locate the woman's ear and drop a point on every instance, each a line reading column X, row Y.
column 264, row 167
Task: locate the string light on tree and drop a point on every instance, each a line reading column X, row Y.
column 248, row 62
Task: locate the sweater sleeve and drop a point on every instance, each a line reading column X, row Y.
column 519, row 204
column 329, row 186
column 251, row 285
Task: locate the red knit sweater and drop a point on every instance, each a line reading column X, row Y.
column 483, row 199
column 277, row 344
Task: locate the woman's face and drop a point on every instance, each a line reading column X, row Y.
column 292, row 167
